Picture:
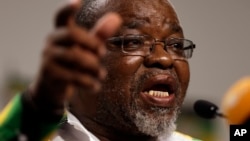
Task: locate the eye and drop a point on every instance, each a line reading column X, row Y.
column 115, row 41
column 132, row 42
column 175, row 44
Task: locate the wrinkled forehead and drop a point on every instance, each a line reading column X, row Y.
column 94, row 9
column 149, row 16
column 142, row 8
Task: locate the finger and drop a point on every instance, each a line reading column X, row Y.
column 87, row 62
column 79, row 60
column 70, row 36
column 67, row 11
column 95, row 40
column 57, row 82
column 86, row 40
column 76, row 59
column 56, row 72
column 60, row 37
column 67, row 37
column 87, row 82
column 67, row 77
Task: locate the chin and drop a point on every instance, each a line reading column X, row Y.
column 155, row 126
column 155, row 121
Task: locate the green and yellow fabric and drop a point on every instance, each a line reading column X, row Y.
column 18, row 119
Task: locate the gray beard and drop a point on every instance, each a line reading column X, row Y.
column 160, row 121
column 154, row 122
column 155, row 126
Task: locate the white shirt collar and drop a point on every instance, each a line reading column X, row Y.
column 73, row 125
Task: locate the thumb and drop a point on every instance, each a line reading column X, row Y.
column 106, row 26
column 76, row 4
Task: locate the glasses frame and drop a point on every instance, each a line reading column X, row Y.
column 153, row 43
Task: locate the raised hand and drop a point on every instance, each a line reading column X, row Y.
column 71, row 59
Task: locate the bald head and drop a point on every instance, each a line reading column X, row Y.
column 92, row 10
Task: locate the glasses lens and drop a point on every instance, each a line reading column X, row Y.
column 180, row 47
column 136, row 44
column 142, row 45
column 132, row 43
column 188, row 53
column 114, row 43
column 188, row 49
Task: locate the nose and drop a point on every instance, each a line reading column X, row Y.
column 159, row 58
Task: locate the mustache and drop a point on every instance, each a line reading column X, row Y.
column 139, row 81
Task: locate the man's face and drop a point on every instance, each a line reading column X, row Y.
column 142, row 95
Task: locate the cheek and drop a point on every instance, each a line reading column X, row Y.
column 123, row 66
column 182, row 70
column 117, row 84
column 120, row 71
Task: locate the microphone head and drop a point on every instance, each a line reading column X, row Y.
column 205, row 109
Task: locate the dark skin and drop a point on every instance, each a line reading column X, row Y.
column 107, row 113
column 71, row 59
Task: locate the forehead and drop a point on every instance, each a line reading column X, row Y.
column 145, row 6
column 142, row 7
column 136, row 13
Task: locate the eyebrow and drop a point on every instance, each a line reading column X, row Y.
column 137, row 23
column 176, row 28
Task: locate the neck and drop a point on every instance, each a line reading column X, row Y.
column 85, row 114
column 105, row 133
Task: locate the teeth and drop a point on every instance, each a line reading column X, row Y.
column 158, row 93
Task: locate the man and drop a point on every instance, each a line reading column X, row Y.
column 122, row 76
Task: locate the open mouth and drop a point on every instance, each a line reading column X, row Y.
column 159, row 91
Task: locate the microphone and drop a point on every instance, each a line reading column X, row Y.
column 235, row 104
column 207, row 109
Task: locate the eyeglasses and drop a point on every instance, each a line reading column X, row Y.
column 143, row 45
